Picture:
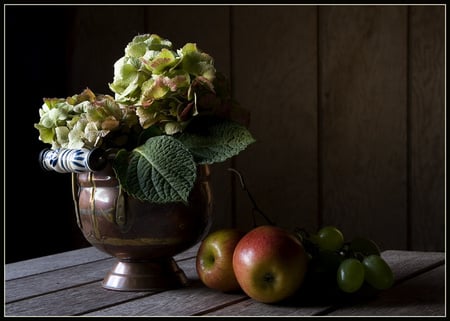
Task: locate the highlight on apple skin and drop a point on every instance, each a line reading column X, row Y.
column 270, row 263
column 214, row 261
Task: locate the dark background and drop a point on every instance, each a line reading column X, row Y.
column 38, row 218
column 347, row 108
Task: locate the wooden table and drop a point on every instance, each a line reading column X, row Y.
column 69, row 283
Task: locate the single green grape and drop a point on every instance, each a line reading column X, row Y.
column 377, row 272
column 350, row 275
column 364, row 246
column 330, row 238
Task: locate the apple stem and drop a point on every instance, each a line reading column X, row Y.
column 255, row 206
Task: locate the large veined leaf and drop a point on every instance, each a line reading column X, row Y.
column 161, row 171
column 214, row 140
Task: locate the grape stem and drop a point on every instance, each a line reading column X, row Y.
column 255, row 206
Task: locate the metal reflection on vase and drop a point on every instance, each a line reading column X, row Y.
column 143, row 236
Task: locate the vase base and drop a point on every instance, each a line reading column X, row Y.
column 145, row 276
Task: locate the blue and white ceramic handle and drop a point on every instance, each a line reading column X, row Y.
column 64, row 160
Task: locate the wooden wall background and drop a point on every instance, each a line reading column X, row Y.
column 347, row 103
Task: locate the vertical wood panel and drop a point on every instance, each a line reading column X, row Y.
column 363, row 121
column 427, row 122
column 208, row 26
column 274, row 73
column 99, row 37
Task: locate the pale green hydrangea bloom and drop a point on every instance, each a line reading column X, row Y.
column 83, row 121
column 164, row 84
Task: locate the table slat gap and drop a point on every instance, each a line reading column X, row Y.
column 115, row 304
column 51, row 262
column 60, row 269
column 86, row 255
column 221, row 306
column 186, row 258
column 32, row 285
column 183, row 301
column 75, row 300
column 40, row 284
column 52, row 291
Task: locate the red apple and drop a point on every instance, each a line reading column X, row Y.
column 214, row 261
column 269, row 263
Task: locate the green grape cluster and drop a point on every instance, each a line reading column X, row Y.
column 350, row 267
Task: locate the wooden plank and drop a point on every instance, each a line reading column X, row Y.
column 363, row 68
column 97, row 44
column 42, row 283
column 70, row 301
column 66, row 276
column 423, row 295
column 53, row 262
column 66, row 259
column 427, row 127
column 275, row 77
column 195, row 299
column 209, row 27
column 253, row 308
column 187, row 301
column 404, row 265
column 80, row 299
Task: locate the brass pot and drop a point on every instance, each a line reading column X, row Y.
column 143, row 236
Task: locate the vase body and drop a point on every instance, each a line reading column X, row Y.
column 143, row 236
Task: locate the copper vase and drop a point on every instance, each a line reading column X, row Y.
column 143, row 236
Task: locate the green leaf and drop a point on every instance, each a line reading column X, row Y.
column 160, row 171
column 213, row 140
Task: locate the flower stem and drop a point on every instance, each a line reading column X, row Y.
column 255, row 206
